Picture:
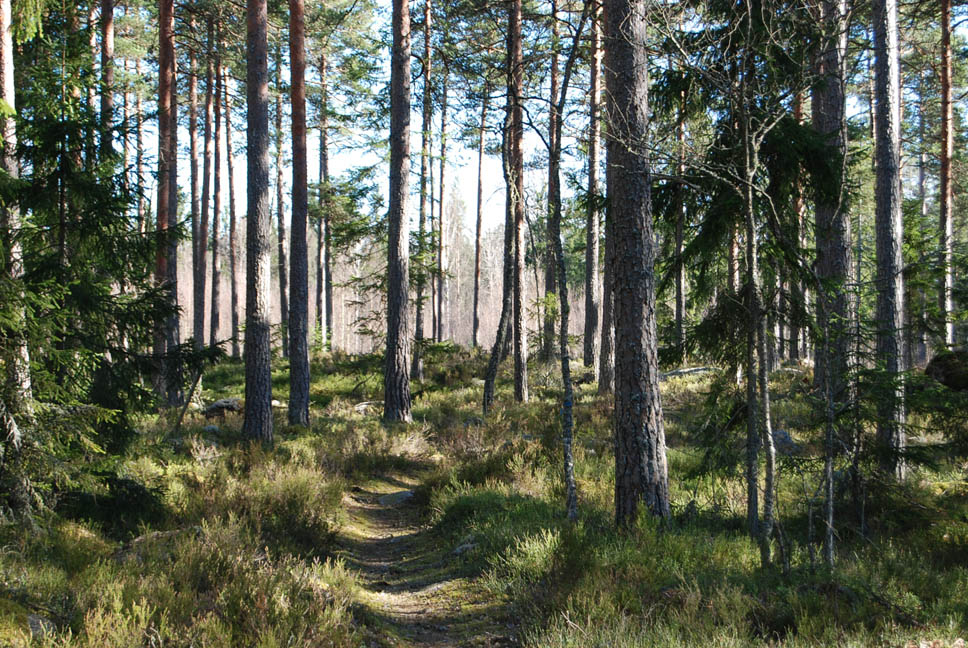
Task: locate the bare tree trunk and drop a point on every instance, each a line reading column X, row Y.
column 796, row 285
column 299, row 277
column 198, row 329
column 92, row 29
column 548, row 322
column 18, row 390
column 441, row 228
column 233, row 225
column 592, row 276
column 680, row 267
column 216, row 206
column 107, row 75
column 640, row 459
column 946, row 300
column 517, row 198
column 922, row 345
column 193, row 162
column 416, row 370
column 258, row 377
column 833, row 224
column 889, row 228
column 396, row 405
column 480, row 216
column 140, row 152
column 280, row 215
column 324, row 276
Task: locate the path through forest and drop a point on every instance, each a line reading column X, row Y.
column 414, row 589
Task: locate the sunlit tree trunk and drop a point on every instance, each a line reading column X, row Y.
column 215, row 317
column 480, row 216
column 548, row 322
column 946, row 300
column 324, row 275
column 198, row 329
column 516, row 135
column 280, row 215
column 640, row 457
column 396, row 405
column 258, row 377
column 416, row 370
column 107, row 75
column 441, row 222
column 140, row 151
column 233, row 222
column 592, row 276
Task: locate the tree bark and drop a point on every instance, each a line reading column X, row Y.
column 832, row 222
column 107, row 75
column 441, row 222
column 299, row 275
column 889, row 233
column 257, row 423
column 515, row 93
column 198, row 329
column 396, row 383
column 233, row 223
column 945, row 298
column 18, row 384
column 193, row 161
column 324, row 259
column 480, row 216
column 416, row 370
column 592, row 277
column 280, row 215
column 640, row 457
column 139, row 152
column 214, row 319
column 548, row 322
column 166, row 73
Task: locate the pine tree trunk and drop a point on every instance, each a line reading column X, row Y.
column 548, row 322
column 945, row 299
column 214, row 319
column 92, row 29
column 416, row 370
column 640, row 458
column 396, row 405
column 280, row 215
column 203, row 233
column 166, row 63
column 889, row 233
column 475, row 341
column 258, row 377
column 140, row 152
column 592, row 277
column 833, row 225
column 193, row 160
column 441, row 222
column 233, row 222
column 680, row 268
column 299, row 275
column 324, row 278
column 107, row 75
column 18, row 384
column 516, row 92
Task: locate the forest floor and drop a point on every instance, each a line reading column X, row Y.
column 414, row 590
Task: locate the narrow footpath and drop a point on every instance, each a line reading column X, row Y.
column 414, row 592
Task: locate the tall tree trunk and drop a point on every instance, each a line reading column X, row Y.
column 193, row 161
column 92, row 29
column 592, row 277
column 922, row 345
column 640, row 458
column 606, row 362
column 258, row 376
column 416, row 370
column 325, row 224
column 299, row 275
column 945, row 299
column 233, row 224
column 396, row 383
column 833, row 225
column 214, row 319
column 889, row 229
column 680, row 268
column 280, row 215
column 548, row 322
column 480, row 216
column 139, row 151
column 516, row 94
column 107, row 75
column 18, row 385
column 198, row 329
column 441, row 222
column 796, row 305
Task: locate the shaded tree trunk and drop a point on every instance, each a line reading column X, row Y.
column 396, row 383
column 214, row 319
column 107, row 75
column 416, row 370
column 257, row 423
column 889, row 233
column 480, row 216
column 946, row 228
column 324, row 275
column 299, row 276
column 198, row 329
column 193, row 170
column 592, row 277
column 280, row 215
column 140, row 151
column 233, row 219
column 441, row 222
column 548, row 322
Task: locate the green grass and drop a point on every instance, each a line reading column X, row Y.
column 202, row 540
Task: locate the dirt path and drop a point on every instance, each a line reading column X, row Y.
column 413, row 589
